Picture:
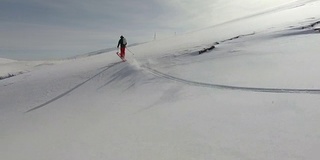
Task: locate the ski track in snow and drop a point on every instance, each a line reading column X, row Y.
column 77, row 86
column 229, row 87
column 251, row 89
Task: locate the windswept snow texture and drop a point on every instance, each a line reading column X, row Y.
column 255, row 96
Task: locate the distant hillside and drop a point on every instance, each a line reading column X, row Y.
column 4, row 60
column 102, row 51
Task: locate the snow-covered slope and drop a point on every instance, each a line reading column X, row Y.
column 255, row 96
column 14, row 67
column 5, row 61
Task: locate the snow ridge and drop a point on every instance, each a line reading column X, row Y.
column 228, row 87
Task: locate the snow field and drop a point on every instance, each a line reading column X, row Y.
column 151, row 107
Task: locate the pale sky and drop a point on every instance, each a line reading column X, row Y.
column 68, row 27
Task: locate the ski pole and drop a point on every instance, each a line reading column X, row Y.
column 130, row 51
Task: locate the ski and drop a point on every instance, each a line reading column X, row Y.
column 123, row 59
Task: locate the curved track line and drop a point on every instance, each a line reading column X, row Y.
column 218, row 86
column 72, row 89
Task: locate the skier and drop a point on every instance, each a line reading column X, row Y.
column 122, row 43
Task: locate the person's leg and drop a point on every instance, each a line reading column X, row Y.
column 122, row 54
